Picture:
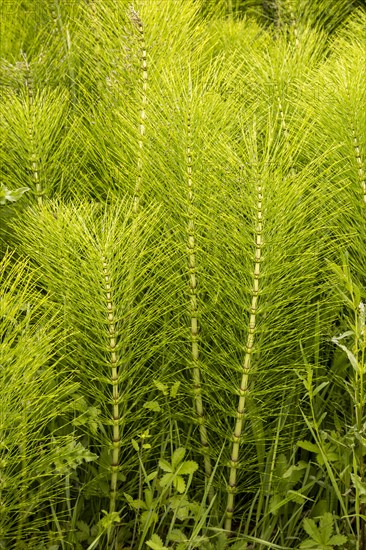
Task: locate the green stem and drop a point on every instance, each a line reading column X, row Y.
column 116, row 438
column 135, row 18
column 244, row 386
column 33, row 152
column 194, row 332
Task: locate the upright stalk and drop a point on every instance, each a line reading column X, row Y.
column 31, row 123
column 286, row 135
column 116, row 438
column 244, row 385
column 360, row 164
column 135, row 18
column 194, row 337
column 293, row 23
column 284, row 6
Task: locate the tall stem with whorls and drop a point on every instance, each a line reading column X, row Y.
column 194, row 328
column 113, row 359
column 135, row 18
column 244, row 385
column 31, row 124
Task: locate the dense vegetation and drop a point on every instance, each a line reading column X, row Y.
column 182, row 274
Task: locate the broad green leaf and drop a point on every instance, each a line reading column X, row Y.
column 179, row 484
column 166, row 480
column 156, row 543
column 338, row 540
column 181, row 507
column 311, row 447
column 187, row 467
column 311, row 528
column 83, row 532
column 138, row 504
column 178, row 456
column 165, row 466
column 109, row 519
column 135, row 445
column 310, row 544
column 177, row 536
column 326, row 526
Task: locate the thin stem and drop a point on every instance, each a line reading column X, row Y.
column 286, row 135
column 33, row 153
column 357, row 150
column 135, row 18
column 243, row 390
column 194, row 333
column 116, row 439
column 360, row 163
column 294, row 23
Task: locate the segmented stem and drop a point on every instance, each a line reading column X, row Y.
column 244, row 385
column 293, row 23
column 192, row 266
column 116, row 438
column 285, row 9
column 135, row 18
column 33, row 154
column 360, row 163
column 357, row 150
column 286, row 135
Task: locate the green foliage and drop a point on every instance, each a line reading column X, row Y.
column 321, row 536
column 11, row 196
column 182, row 306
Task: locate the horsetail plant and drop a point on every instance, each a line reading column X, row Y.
column 116, row 441
column 194, row 304
column 136, row 20
column 219, row 286
column 250, row 341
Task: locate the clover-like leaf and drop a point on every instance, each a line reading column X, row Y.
column 179, row 484
column 164, row 465
column 166, row 480
column 156, row 543
column 188, row 467
column 178, row 456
